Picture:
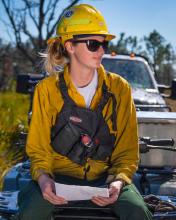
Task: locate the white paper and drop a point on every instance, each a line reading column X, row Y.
column 74, row 192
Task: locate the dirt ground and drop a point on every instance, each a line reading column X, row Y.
column 171, row 103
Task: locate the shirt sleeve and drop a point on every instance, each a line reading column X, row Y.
column 125, row 157
column 38, row 142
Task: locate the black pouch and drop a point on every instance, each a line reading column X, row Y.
column 103, row 152
column 106, row 142
column 65, row 139
column 77, row 153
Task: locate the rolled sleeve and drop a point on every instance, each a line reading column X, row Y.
column 38, row 142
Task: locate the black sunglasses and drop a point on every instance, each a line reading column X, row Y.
column 93, row 45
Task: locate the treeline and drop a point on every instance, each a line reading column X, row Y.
column 32, row 20
column 154, row 47
column 36, row 21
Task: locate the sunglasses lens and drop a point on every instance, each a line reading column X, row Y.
column 94, row 45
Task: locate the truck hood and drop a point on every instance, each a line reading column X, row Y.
column 147, row 97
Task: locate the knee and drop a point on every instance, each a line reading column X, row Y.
column 27, row 202
column 32, row 205
column 26, row 208
column 132, row 210
column 35, row 210
column 24, row 214
column 140, row 211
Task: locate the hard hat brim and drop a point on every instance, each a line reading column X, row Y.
column 109, row 37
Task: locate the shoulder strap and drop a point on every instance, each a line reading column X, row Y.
column 105, row 97
column 64, row 90
column 114, row 114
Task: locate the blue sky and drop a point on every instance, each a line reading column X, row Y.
column 134, row 17
column 140, row 17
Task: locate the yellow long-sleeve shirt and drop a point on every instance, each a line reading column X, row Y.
column 48, row 102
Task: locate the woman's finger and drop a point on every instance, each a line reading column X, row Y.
column 102, row 200
column 51, row 197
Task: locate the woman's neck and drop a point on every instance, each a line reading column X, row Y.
column 81, row 77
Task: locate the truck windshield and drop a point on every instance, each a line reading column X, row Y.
column 135, row 72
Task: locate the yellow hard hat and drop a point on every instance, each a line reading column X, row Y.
column 81, row 20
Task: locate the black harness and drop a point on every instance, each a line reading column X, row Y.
column 81, row 133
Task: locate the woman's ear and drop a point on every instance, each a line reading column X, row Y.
column 69, row 47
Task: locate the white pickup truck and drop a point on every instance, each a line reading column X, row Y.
column 138, row 73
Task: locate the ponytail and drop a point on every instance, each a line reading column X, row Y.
column 55, row 57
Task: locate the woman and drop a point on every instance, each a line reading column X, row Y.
column 83, row 129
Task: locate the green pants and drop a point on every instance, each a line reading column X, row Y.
column 129, row 206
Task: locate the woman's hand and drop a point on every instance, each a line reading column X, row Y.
column 114, row 191
column 47, row 187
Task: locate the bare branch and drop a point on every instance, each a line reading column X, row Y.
column 42, row 13
column 41, row 18
column 49, row 34
column 52, row 13
column 16, row 29
column 25, row 52
column 7, row 27
column 26, row 31
column 12, row 20
column 29, row 7
column 49, row 6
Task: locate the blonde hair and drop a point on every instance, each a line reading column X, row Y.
column 55, row 57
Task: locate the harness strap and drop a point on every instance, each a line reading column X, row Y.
column 91, row 139
column 64, row 90
column 105, row 97
column 114, row 115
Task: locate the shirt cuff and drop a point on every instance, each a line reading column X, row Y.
column 38, row 172
column 121, row 176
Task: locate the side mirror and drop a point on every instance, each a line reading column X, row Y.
column 162, row 89
column 173, row 89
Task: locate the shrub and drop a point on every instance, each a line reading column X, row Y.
column 13, row 126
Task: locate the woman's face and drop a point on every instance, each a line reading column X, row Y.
column 81, row 54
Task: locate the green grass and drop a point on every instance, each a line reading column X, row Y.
column 13, row 120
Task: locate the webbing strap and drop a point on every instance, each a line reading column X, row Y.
column 104, row 99
column 64, row 90
column 114, row 115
